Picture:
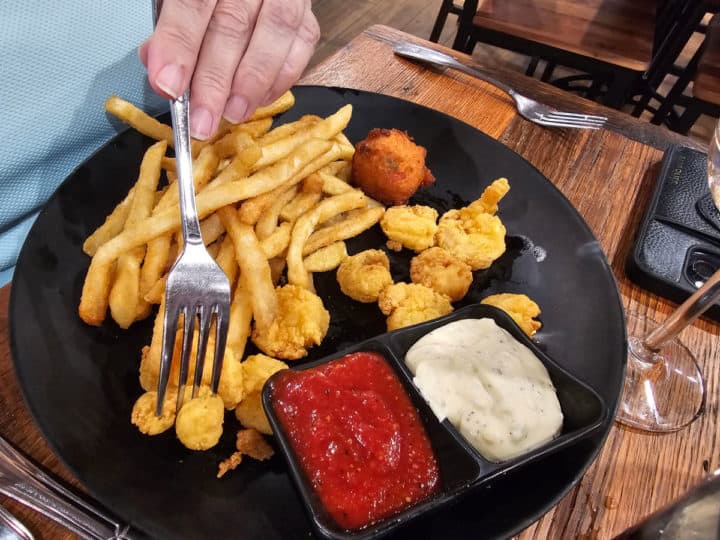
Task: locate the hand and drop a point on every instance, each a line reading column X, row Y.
column 236, row 54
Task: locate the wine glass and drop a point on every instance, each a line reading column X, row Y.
column 664, row 388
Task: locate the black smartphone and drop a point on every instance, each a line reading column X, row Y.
column 678, row 243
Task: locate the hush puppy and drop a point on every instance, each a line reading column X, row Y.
column 389, row 166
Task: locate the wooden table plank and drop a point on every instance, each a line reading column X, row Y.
column 608, row 176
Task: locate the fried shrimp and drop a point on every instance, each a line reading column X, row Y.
column 413, row 227
column 143, row 413
column 406, row 304
column 302, row 322
column 199, row 422
column 364, row 275
column 520, row 307
column 475, row 238
column 389, row 166
column 441, row 271
column 491, row 195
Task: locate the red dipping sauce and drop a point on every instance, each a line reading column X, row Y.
column 358, row 437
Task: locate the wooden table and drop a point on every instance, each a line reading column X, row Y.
column 636, row 473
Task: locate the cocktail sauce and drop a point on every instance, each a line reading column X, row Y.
column 358, row 437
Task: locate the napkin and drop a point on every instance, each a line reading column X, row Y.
column 59, row 61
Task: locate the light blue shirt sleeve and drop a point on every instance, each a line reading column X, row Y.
column 59, row 62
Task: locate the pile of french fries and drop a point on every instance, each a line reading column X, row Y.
column 274, row 204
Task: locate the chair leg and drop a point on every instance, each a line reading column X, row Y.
column 679, row 87
column 548, row 71
column 687, row 119
column 532, row 66
column 440, row 20
column 620, row 87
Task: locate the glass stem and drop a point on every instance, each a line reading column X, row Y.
column 688, row 311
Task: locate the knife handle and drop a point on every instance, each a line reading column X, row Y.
column 24, row 482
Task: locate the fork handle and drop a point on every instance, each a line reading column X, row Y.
column 432, row 56
column 180, row 111
column 24, row 482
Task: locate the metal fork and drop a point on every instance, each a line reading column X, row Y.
column 528, row 108
column 196, row 286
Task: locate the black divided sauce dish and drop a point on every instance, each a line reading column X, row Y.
column 462, row 469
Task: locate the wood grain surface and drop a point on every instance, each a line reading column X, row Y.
column 608, row 176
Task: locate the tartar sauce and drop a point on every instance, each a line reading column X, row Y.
column 490, row 386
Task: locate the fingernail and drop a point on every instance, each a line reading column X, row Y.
column 235, row 110
column 201, row 123
column 170, row 79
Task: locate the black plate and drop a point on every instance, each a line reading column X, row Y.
column 80, row 382
column 463, row 469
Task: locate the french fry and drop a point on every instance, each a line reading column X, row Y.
column 203, row 169
column 211, row 228
column 280, row 105
column 112, row 226
column 326, row 258
column 348, row 228
column 285, row 130
column 312, row 184
column 139, row 119
column 269, row 220
column 241, row 165
column 124, row 299
column 157, row 256
column 252, row 209
column 150, row 363
column 168, row 164
column 301, row 203
column 332, row 206
column 155, row 292
column 332, row 185
column 240, row 319
column 275, row 244
column 254, row 128
column 341, row 169
column 226, row 258
column 277, row 266
column 230, row 144
column 213, row 249
column 253, row 267
column 325, row 129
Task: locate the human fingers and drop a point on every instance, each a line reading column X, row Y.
column 173, row 48
column 297, row 59
column 275, row 29
column 228, row 34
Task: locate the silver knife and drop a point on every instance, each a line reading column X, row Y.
column 24, row 482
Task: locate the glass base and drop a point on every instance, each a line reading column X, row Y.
column 664, row 390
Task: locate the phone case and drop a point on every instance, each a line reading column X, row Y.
column 678, row 244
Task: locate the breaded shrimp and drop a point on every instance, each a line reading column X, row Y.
column 302, row 322
column 520, row 307
column 475, row 238
column 364, row 275
column 407, row 304
column 441, row 271
column 411, row 226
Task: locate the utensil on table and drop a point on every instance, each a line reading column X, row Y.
column 24, row 482
column 528, row 108
column 664, row 388
column 196, row 286
column 11, row 528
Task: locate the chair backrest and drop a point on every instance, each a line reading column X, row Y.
column 677, row 20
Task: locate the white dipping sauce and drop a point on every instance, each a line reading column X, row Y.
column 490, row 386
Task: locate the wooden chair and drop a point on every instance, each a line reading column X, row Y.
column 447, row 7
column 703, row 71
column 613, row 43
